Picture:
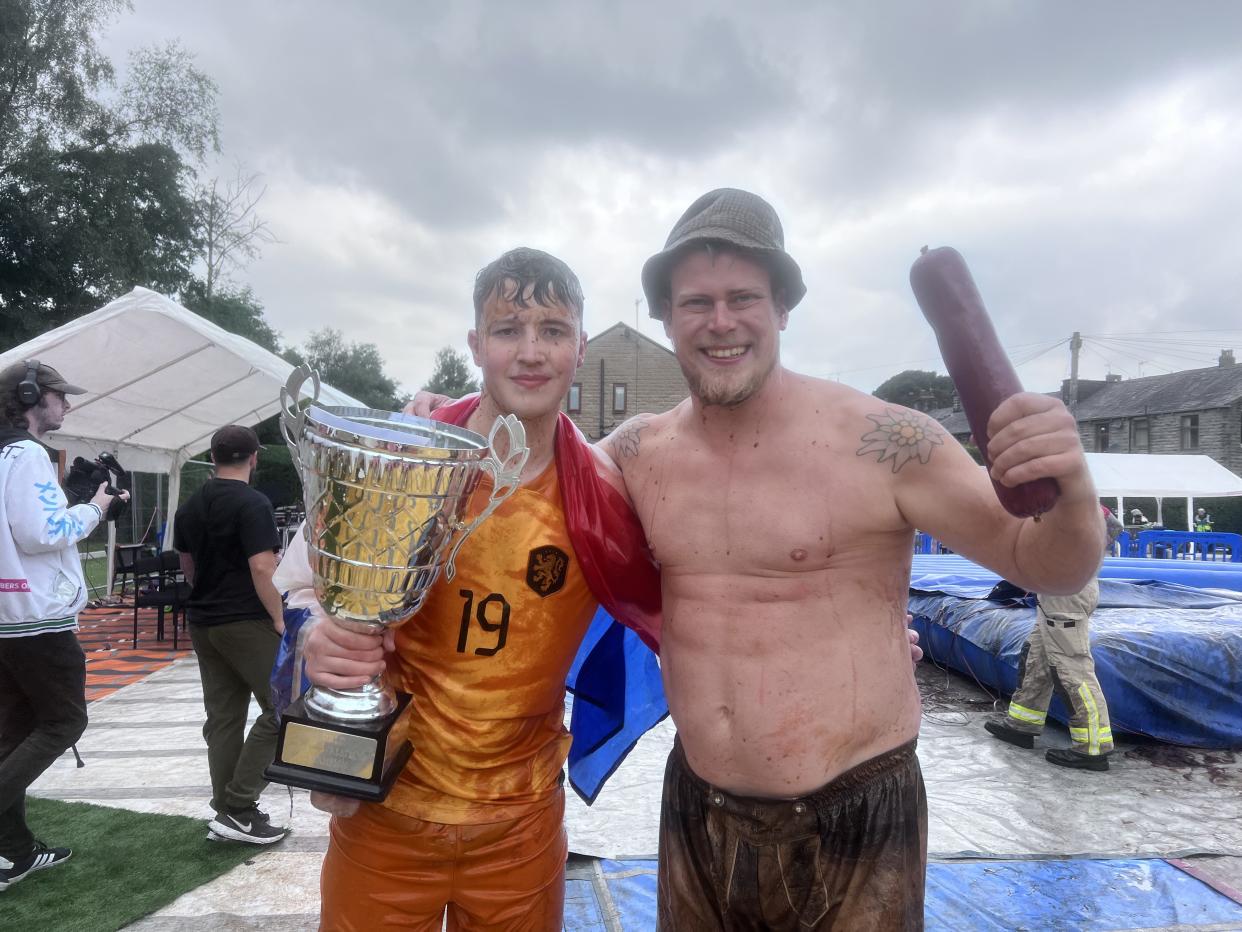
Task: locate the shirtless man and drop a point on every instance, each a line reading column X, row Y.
column 781, row 510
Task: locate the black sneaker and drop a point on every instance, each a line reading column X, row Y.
column 42, row 856
column 1023, row 739
column 249, row 825
column 1067, row 757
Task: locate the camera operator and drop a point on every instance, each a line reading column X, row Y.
column 42, row 667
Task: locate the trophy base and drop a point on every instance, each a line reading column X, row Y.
column 347, row 760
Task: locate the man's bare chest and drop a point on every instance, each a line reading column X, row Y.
column 752, row 509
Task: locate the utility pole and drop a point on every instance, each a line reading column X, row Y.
column 1075, row 346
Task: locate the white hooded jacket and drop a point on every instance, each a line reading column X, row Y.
column 41, row 583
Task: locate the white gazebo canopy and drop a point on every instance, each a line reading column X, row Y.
column 1153, row 475
column 160, row 381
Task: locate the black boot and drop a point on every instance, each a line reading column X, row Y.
column 1023, row 739
column 1068, row 757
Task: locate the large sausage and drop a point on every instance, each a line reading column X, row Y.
column 980, row 370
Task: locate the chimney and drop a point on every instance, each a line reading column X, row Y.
column 1226, row 359
column 1086, row 388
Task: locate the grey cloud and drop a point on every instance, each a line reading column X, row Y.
column 841, row 112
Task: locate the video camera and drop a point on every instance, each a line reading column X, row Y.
column 84, row 477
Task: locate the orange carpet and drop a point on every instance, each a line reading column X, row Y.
column 107, row 636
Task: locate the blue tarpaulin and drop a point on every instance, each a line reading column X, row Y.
column 1202, row 574
column 1072, row 896
column 1169, row 657
column 969, row 896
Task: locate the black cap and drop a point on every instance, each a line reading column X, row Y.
column 232, row 444
column 47, row 378
column 738, row 218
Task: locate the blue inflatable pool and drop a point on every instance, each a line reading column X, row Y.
column 1168, row 655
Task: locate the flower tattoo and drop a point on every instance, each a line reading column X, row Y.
column 901, row 436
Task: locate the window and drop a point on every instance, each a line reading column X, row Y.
column 1140, row 437
column 1101, row 437
column 618, row 398
column 573, row 404
column 1190, row 431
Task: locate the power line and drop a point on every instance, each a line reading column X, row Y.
column 912, row 362
column 1150, row 333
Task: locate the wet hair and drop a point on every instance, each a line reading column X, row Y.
column 549, row 279
column 718, row 247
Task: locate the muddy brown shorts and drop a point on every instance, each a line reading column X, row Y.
column 850, row 856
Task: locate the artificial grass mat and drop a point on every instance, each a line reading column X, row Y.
column 124, row 866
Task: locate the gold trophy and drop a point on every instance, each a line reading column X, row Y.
column 384, row 496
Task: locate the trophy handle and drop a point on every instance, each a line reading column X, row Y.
column 292, row 412
column 505, row 474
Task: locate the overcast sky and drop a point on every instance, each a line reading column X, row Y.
column 1084, row 157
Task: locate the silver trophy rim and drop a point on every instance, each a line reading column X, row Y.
column 366, row 427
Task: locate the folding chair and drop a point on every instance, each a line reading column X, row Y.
column 125, row 556
column 158, row 584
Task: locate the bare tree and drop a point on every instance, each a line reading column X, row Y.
column 230, row 228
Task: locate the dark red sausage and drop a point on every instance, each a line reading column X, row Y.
column 976, row 362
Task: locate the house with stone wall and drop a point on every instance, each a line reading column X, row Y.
column 1193, row 411
column 625, row 373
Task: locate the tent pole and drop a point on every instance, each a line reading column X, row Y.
column 174, row 496
column 1160, row 511
column 111, row 556
column 1190, row 514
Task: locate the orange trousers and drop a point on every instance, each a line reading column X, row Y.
column 384, row 870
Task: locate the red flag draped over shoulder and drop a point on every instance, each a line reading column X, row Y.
column 603, row 528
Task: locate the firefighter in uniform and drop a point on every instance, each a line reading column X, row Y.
column 1057, row 656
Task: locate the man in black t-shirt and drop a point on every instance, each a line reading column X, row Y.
column 226, row 535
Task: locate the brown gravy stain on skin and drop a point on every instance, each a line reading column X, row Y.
column 798, row 554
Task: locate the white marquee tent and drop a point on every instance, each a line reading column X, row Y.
column 1152, row 475
column 160, row 380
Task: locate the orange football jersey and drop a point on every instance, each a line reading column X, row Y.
column 485, row 660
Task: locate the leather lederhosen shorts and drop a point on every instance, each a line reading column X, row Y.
column 851, row 855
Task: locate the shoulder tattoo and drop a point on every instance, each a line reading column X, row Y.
column 901, row 436
column 628, row 436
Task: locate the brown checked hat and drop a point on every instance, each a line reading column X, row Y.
column 737, row 218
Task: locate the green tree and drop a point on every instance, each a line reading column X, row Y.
column 237, row 310
column 917, row 389
column 452, row 375
column 52, row 72
column 356, row 368
column 94, row 190
column 276, row 477
column 77, row 229
column 50, row 68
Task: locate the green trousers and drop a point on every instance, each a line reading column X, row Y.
column 235, row 661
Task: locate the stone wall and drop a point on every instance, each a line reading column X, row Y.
column 650, row 373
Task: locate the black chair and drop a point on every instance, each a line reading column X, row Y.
column 124, row 559
column 158, row 584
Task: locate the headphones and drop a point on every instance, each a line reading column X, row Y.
column 28, row 390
